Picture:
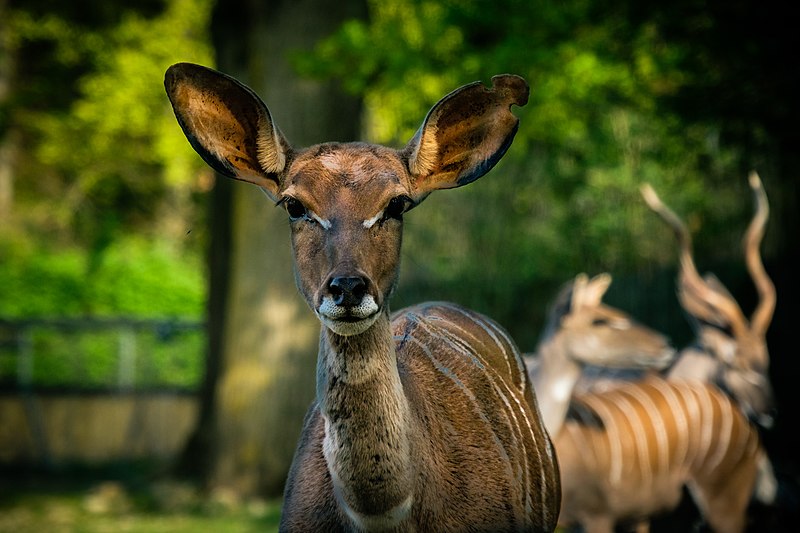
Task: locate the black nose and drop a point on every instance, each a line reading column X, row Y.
column 347, row 291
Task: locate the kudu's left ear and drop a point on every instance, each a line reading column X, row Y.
column 465, row 134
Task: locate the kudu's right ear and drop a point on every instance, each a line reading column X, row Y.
column 228, row 125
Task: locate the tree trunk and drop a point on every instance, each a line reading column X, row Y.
column 9, row 143
column 262, row 336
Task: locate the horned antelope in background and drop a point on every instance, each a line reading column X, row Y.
column 729, row 350
column 626, row 452
column 424, row 420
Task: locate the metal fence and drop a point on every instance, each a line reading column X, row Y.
column 101, row 353
column 97, row 389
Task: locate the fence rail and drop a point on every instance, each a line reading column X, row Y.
column 113, row 353
column 94, row 389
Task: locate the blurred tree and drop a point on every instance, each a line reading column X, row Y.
column 262, row 337
column 8, row 142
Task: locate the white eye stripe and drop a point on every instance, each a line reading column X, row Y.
column 326, row 224
column 371, row 221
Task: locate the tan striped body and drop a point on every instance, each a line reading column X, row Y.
column 628, row 452
column 627, row 447
column 480, row 376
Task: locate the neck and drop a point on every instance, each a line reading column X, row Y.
column 367, row 431
column 554, row 382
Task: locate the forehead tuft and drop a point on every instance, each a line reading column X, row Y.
column 350, row 164
column 335, row 162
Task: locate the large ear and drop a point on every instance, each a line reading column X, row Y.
column 578, row 291
column 465, row 134
column 227, row 124
column 589, row 293
column 596, row 289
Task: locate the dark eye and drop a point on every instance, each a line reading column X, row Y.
column 397, row 206
column 295, row 209
column 600, row 322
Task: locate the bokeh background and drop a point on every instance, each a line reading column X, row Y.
column 154, row 355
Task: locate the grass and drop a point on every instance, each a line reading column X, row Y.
column 81, row 505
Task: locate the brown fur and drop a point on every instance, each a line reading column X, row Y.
column 427, row 422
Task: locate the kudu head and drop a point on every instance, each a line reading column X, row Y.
column 593, row 333
column 738, row 346
column 587, row 344
column 345, row 201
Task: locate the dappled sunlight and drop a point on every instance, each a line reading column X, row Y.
column 243, row 386
column 287, row 332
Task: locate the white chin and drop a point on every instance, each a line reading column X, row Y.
column 346, row 329
column 360, row 317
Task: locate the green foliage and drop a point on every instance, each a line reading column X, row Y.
column 100, row 140
column 594, row 129
column 106, row 188
column 35, row 284
column 140, row 278
column 133, row 277
column 118, row 358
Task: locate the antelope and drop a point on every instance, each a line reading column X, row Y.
column 729, row 350
column 598, row 346
column 424, row 419
column 626, row 452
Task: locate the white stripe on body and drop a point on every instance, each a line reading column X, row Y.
column 460, row 344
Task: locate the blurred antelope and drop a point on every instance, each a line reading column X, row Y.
column 425, row 421
column 626, row 452
column 588, row 345
column 729, row 351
